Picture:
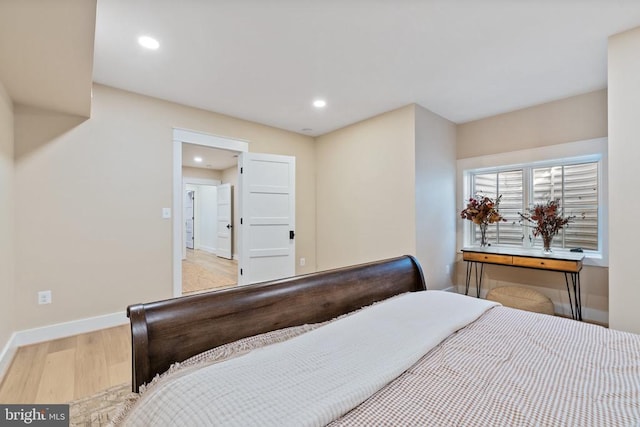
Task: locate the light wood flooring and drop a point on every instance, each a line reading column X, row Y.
column 66, row 369
column 71, row 368
column 203, row 271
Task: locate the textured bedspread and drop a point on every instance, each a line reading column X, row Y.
column 313, row 378
column 514, row 368
column 507, row 368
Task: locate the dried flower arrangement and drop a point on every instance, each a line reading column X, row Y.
column 547, row 221
column 482, row 210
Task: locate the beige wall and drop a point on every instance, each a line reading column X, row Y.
column 200, row 173
column 36, row 127
column 90, row 226
column 572, row 119
column 577, row 118
column 366, row 190
column 100, row 243
column 435, row 187
column 230, row 176
column 7, row 312
column 624, row 158
column 47, row 53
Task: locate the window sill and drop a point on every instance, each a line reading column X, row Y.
column 595, row 260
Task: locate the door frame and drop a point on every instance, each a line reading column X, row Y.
column 199, row 138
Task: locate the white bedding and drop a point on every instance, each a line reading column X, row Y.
column 316, row 377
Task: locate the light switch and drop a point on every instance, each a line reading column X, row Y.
column 166, row 213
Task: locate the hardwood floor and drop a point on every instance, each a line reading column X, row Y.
column 203, row 271
column 71, row 368
column 66, row 369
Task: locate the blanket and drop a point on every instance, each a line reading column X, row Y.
column 515, row 368
column 316, row 377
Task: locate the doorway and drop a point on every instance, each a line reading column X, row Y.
column 201, row 266
column 265, row 191
column 207, row 260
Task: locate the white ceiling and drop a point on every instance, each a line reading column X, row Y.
column 212, row 158
column 266, row 61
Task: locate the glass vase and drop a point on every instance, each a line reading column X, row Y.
column 546, row 244
column 483, row 235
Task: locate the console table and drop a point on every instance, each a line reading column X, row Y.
column 569, row 263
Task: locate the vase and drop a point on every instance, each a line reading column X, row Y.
column 483, row 235
column 546, row 244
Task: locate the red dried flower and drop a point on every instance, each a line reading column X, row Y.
column 546, row 219
column 482, row 210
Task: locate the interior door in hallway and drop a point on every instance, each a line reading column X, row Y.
column 225, row 222
column 267, row 210
column 189, row 219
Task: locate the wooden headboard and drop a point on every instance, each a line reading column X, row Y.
column 169, row 331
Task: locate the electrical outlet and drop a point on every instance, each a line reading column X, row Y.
column 44, row 297
column 166, row 213
column 302, row 262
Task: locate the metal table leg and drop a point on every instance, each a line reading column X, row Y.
column 471, row 267
column 575, row 302
column 468, row 278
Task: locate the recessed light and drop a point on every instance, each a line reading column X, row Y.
column 197, row 159
column 319, row 103
column 148, row 42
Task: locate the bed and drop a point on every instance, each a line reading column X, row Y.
column 369, row 345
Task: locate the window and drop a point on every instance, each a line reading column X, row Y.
column 574, row 182
column 509, row 184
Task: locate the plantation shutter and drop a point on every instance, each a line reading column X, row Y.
column 576, row 187
column 547, row 185
column 509, row 185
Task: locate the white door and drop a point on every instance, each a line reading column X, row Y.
column 225, row 223
column 267, row 211
column 189, row 219
column 206, row 226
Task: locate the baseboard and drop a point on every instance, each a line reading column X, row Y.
column 236, row 257
column 588, row 314
column 58, row 330
column 450, row 289
column 208, row 249
column 6, row 356
column 591, row 315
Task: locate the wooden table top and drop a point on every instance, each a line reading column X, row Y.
column 526, row 252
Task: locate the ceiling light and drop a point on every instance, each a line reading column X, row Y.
column 319, row 103
column 197, row 159
column 148, row 42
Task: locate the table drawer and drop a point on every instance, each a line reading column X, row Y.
column 547, row 264
column 488, row 258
